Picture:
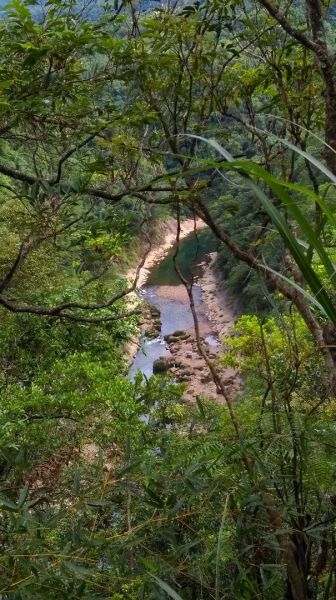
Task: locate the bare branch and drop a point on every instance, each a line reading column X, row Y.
column 116, row 317
column 97, row 192
column 21, row 255
column 214, row 373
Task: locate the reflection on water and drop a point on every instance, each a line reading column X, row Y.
column 174, row 313
column 193, row 249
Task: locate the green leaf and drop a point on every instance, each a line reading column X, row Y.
column 165, row 587
column 300, row 258
column 300, row 289
column 77, row 481
column 5, row 84
column 314, row 161
column 7, row 504
column 23, row 495
column 129, row 468
column 200, row 407
column 77, row 569
column 219, row 543
column 156, row 500
column 98, row 503
column 300, row 219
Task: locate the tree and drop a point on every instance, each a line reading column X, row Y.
column 104, row 124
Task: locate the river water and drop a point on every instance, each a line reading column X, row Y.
column 164, row 290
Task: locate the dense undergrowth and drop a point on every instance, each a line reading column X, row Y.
column 118, row 489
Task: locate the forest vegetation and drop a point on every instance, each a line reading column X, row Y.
column 115, row 116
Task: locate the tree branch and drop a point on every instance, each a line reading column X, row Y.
column 26, row 248
column 60, row 310
column 289, row 28
column 68, row 154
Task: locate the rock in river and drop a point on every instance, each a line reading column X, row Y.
column 162, row 364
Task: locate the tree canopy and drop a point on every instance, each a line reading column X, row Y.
column 115, row 116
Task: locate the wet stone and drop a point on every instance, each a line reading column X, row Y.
column 162, row 364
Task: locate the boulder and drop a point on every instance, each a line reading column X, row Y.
column 177, row 336
column 170, row 338
column 162, row 364
column 183, row 378
column 206, row 378
column 154, row 311
column 183, row 335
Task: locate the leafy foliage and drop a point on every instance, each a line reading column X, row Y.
column 120, row 489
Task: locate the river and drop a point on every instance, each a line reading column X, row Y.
column 163, row 289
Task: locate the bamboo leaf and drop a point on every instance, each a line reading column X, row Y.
column 165, row 587
column 219, row 543
column 300, row 289
column 7, row 504
column 23, row 495
column 314, row 161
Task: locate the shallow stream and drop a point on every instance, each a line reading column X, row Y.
column 164, row 290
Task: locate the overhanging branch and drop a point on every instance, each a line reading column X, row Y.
column 62, row 310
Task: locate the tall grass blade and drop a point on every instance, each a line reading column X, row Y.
column 314, row 161
column 219, row 544
column 165, row 587
column 297, row 287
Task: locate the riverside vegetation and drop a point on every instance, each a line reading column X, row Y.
column 115, row 116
